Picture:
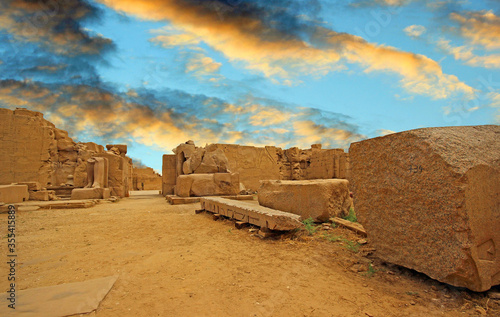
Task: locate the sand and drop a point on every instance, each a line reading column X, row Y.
column 173, row 262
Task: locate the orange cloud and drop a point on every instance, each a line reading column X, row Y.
column 466, row 54
column 481, row 28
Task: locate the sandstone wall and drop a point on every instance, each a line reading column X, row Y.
column 33, row 150
column 169, row 174
column 148, row 177
column 430, row 201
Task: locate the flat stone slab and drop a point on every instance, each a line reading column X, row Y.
column 90, row 193
column 59, row 300
column 429, row 201
column 254, row 214
column 353, row 226
column 176, row 200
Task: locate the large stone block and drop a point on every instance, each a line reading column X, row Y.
column 90, row 193
column 319, row 199
column 14, row 193
column 199, row 185
column 430, row 201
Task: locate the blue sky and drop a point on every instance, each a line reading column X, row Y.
column 155, row 73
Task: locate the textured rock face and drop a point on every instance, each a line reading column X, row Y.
column 430, row 201
column 198, row 185
column 168, row 174
column 13, row 193
column 319, row 199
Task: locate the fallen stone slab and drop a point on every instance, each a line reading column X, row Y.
column 254, row 214
column 58, row 300
column 319, row 199
column 68, row 204
column 14, row 193
column 176, row 200
column 90, row 193
column 429, row 201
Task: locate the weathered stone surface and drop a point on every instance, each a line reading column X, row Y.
column 429, row 200
column 43, row 195
column 168, row 174
column 199, row 185
column 118, row 173
column 13, row 193
column 31, row 185
column 319, row 199
column 90, row 193
column 251, row 213
column 214, row 161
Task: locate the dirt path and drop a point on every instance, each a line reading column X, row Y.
column 172, row 262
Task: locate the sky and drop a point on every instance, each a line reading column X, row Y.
column 155, row 73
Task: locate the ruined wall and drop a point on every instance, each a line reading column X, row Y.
column 254, row 164
column 148, row 177
column 33, row 149
column 169, row 174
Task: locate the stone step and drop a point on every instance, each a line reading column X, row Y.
column 251, row 213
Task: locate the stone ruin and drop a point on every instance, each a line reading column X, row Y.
column 429, row 200
column 34, row 153
column 253, row 164
column 145, row 178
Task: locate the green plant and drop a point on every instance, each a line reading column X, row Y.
column 371, row 271
column 412, row 293
column 309, row 226
column 331, row 237
column 351, row 216
column 351, row 245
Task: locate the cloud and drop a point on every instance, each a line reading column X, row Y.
column 415, row 31
column 163, row 119
column 200, row 65
column 55, row 25
column 384, row 132
column 466, row 54
column 277, row 43
column 479, row 27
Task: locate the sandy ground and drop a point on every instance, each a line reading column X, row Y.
column 173, row 262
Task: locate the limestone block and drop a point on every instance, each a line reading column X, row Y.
column 90, row 193
column 203, row 185
column 319, row 199
column 183, row 186
column 199, row 185
column 42, row 195
column 13, row 193
column 213, row 162
column 227, row 183
column 429, row 201
column 71, row 156
column 31, row 185
column 168, row 174
column 60, row 134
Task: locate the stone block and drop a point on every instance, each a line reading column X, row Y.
column 13, row 193
column 42, row 195
column 199, row 185
column 90, row 193
column 429, row 201
column 31, row 185
column 319, row 199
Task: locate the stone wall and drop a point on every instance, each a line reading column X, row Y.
column 32, row 149
column 148, row 177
